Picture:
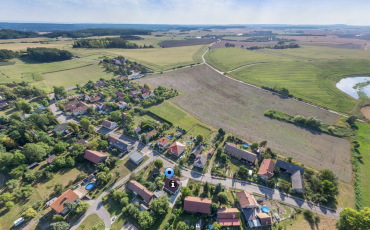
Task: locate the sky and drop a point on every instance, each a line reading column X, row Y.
column 322, row 12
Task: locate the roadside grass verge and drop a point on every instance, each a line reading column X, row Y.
column 93, row 221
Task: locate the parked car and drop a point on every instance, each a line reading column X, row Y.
column 259, row 200
column 277, row 217
column 74, row 134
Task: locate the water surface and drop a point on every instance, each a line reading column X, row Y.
column 352, row 87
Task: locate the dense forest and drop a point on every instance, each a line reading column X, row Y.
column 42, row 54
column 96, row 32
column 105, row 43
column 131, row 37
column 12, row 34
column 7, row 54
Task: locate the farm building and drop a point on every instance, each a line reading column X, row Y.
column 176, row 149
column 197, row 205
column 140, row 190
column 266, row 170
column 241, row 154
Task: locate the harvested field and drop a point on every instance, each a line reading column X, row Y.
column 366, row 111
column 237, row 108
column 327, row 39
column 186, row 42
column 221, row 44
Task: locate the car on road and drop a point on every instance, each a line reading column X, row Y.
column 74, row 134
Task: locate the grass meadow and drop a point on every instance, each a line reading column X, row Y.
column 93, row 221
column 313, row 81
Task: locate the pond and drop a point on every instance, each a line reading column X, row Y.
column 355, row 86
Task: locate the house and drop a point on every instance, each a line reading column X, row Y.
column 80, row 109
column 3, row 103
column 228, row 216
column 297, row 181
column 211, row 151
column 246, row 200
column 119, row 94
column 109, row 124
column 99, row 105
column 119, row 99
column 70, row 105
column 100, row 94
column 61, row 128
column 99, row 85
column 136, row 157
column 250, row 217
column 121, row 104
column 150, row 134
column 145, row 93
column 94, row 99
column 105, row 108
column 83, row 142
column 266, row 170
column 264, row 219
column 176, row 149
column 50, row 159
column 168, row 188
column 137, row 130
column 119, row 144
column 139, row 189
column 198, row 150
column 288, row 167
column 120, row 78
column 200, row 161
column 58, row 205
column 85, row 97
column 112, row 139
column 163, row 142
column 95, row 156
column 241, row 154
column 197, row 205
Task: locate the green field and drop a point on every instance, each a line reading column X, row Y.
column 363, row 137
column 231, row 58
column 313, row 81
column 69, row 78
column 178, row 117
column 30, row 71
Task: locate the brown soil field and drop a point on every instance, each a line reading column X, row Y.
column 186, row 42
column 221, row 44
column 238, row 108
column 366, row 111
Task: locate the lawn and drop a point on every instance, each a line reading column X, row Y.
column 42, row 85
column 91, row 221
column 238, row 109
column 168, row 111
column 313, row 81
column 30, row 71
column 301, row 223
column 157, row 59
column 363, row 137
column 71, row 77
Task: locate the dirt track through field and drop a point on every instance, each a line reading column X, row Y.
column 239, row 108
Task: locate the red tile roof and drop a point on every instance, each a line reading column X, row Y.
column 107, row 123
column 196, row 204
column 245, row 199
column 265, row 219
column 151, row 133
column 112, row 139
column 176, row 148
column 229, row 222
column 167, row 184
column 228, row 213
column 140, row 190
column 211, row 151
column 93, row 155
column 57, row 205
column 119, row 94
column 50, row 159
column 267, row 168
column 94, row 99
column 163, row 141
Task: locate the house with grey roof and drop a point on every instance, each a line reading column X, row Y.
column 297, row 182
column 295, row 172
column 136, row 157
column 233, row 150
column 198, row 150
column 200, row 161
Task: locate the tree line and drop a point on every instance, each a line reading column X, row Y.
column 13, row 34
column 42, row 54
column 96, row 32
column 105, row 43
column 131, row 37
column 7, row 54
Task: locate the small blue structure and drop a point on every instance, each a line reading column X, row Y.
column 169, row 137
column 89, row 186
column 210, row 226
column 195, row 139
column 265, row 209
column 245, row 145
